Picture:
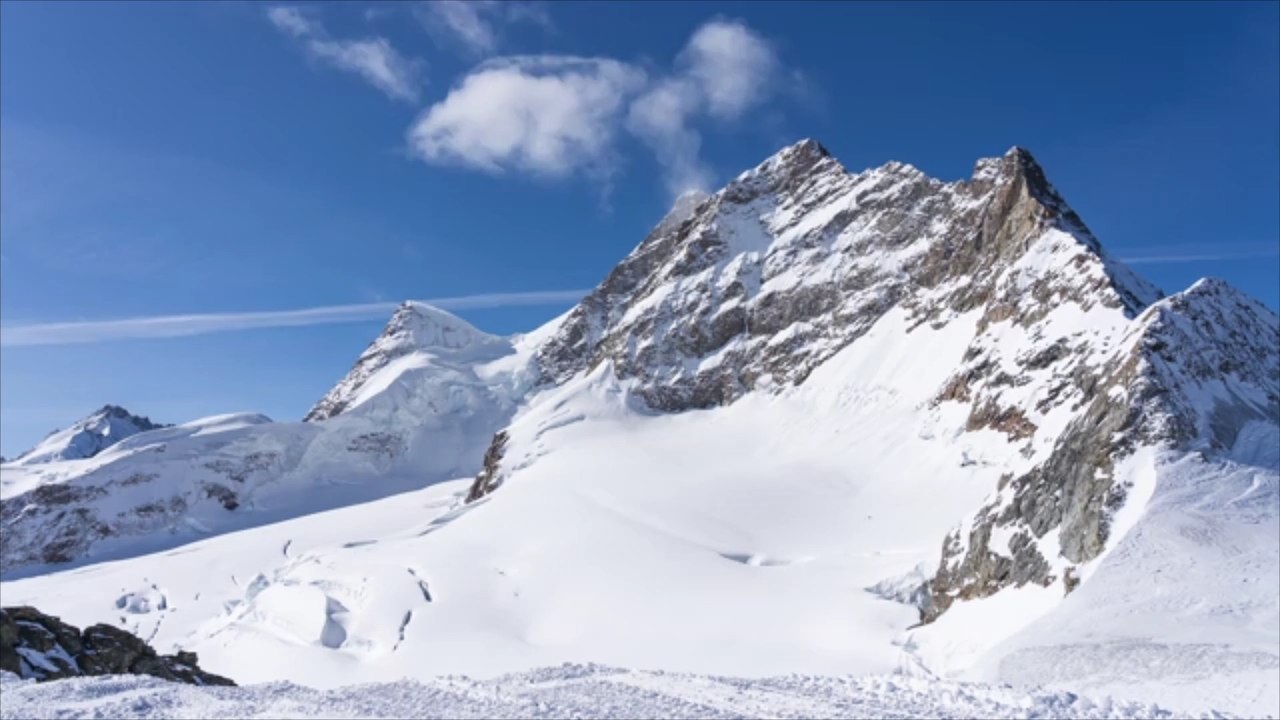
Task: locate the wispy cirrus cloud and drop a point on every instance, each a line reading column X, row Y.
column 724, row 70
column 373, row 59
column 170, row 326
column 476, row 26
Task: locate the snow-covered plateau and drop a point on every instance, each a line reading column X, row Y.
column 824, row 444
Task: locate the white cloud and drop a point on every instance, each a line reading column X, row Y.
column 734, row 67
column 1190, row 253
column 659, row 117
column 724, row 70
column 548, row 115
column 291, row 20
column 556, row 115
column 167, row 326
column 476, row 25
column 373, row 59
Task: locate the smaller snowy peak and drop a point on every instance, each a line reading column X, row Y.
column 1215, row 354
column 414, row 328
column 424, row 326
column 1218, row 312
column 88, row 436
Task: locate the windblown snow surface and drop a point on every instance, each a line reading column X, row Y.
column 569, row 691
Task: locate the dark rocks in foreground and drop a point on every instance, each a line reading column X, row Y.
column 41, row 647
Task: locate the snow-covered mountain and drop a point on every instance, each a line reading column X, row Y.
column 419, row 406
column 88, row 436
column 807, row 414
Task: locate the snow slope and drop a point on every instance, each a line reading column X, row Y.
column 419, row 414
column 761, row 567
column 560, row 692
column 1183, row 611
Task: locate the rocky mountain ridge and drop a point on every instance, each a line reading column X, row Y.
column 797, row 258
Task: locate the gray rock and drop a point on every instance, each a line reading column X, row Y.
column 41, row 647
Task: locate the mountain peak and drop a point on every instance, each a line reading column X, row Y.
column 1017, row 162
column 805, row 147
column 420, row 325
column 415, row 327
column 802, row 154
column 773, row 254
column 797, row 158
column 88, row 436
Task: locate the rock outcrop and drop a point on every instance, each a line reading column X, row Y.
column 42, row 647
column 1192, row 372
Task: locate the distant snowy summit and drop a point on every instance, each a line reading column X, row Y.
column 87, row 437
column 417, row 335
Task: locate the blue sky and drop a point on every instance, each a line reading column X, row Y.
column 183, row 158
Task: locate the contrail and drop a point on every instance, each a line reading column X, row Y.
column 168, row 326
column 1208, row 257
column 1196, row 253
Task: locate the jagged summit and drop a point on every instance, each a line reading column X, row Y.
column 804, row 148
column 788, row 170
column 801, row 245
column 88, row 436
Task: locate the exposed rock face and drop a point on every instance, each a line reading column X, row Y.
column 1193, row 371
column 59, row 522
column 88, row 437
column 489, row 479
column 42, row 647
column 797, row 258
